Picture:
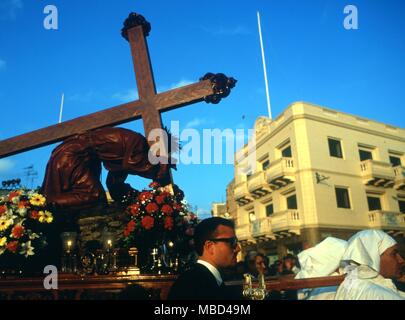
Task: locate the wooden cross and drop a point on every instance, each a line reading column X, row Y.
column 211, row 88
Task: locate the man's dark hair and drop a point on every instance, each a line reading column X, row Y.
column 206, row 229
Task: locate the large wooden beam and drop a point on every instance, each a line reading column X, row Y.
column 127, row 112
column 141, row 61
column 55, row 133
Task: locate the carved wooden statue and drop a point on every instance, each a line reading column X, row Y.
column 72, row 178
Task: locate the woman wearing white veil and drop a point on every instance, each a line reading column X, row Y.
column 371, row 260
column 321, row 261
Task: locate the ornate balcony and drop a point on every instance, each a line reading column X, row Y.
column 280, row 173
column 261, row 229
column 241, row 194
column 285, row 223
column 243, row 233
column 392, row 222
column 378, row 174
column 399, row 172
column 257, row 185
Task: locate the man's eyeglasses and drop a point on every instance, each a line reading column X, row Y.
column 233, row 242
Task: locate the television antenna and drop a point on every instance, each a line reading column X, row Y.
column 31, row 175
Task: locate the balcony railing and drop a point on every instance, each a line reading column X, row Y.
column 261, row 228
column 281, row 173
column 243, row 232
column 399, row 172
column 257, row 185
column 377, row 173
column 241, row 193
column 386, row 220
column 288, row 221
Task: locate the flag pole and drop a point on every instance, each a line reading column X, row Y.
column 61, row 107
column 264, row 66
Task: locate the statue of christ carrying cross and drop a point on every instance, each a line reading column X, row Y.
column 72, row 178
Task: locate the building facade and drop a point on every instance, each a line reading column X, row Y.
column 316, row 173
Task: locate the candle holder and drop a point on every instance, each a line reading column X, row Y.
column 69, row 257
column 133, row 268
column 109, row 253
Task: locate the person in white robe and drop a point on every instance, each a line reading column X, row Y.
column 321, row 260
column 372, row 260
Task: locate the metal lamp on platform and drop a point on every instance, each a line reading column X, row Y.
column 69, row 257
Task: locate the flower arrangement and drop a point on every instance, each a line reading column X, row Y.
column 21, row 214
column 156, row 215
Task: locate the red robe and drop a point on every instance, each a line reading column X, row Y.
column 72, row 178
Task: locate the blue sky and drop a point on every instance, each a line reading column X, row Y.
column 310, row 57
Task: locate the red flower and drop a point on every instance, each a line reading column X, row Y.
column 12, row 246
column 145, row 196
column 166, row 209
column 152, row 207
column 13, row 195
column 147, row 222
column 131, row 226
column 160, row 199
column 154, row 185
column 178, row 207
column 34, row 215
column 3, row 209
column 23, row 204
column 18, row 231
column 169, row 223
column 126, row 232
column 134, row 209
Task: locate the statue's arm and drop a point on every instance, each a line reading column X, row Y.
column 116, row 185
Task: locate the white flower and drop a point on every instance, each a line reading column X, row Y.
column 27, row 249
column 22, row 212
column 2, row 251
column 15, row 200
column 33, row 236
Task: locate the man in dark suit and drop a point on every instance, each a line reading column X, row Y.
column 217, row 247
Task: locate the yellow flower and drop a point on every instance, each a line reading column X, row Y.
column 4, row 224
column 37, row 200
column 45, row 217
column 3, row 241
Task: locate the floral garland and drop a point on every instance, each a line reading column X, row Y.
column 156, row 215
column 22, row 212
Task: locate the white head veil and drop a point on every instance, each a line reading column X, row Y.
column 321, row 260
column 366, row 247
